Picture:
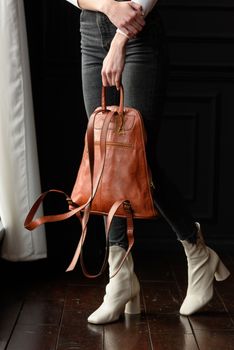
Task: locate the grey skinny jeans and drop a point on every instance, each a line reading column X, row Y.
column 144, row 79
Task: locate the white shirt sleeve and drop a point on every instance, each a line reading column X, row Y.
column 147, row 5
column 74, row 2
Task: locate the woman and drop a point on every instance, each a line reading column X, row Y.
column 123, row 42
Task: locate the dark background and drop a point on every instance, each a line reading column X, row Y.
column 196, row 140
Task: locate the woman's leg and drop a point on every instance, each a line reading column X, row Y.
column 145, row 81
column 122, row 292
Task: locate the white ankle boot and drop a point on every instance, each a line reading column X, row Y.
column 122, row 292
column 203, row 266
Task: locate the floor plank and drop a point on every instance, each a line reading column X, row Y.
column 82, row 336
column 174, row 341
column 33, row 337
column 161, row 297
column 132, row 333
column 9, row 311
column 210, row 340
column 43, row 309
column 169, row 324
column 38, row 312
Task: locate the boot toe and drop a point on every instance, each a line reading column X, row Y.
column 192, row 305
column 93, row 318
column 103, row 316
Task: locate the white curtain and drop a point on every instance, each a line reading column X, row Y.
column 19, row 173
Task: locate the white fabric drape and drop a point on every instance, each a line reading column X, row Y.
column 19, row 174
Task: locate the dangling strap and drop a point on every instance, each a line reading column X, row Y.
column 114, row 208
column 130, row 227
column 31, row 224
column 112, row 212
column 90, row 143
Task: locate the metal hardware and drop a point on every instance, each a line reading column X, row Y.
column 70, row 202
column 127, row 206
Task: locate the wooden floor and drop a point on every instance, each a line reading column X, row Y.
column 43, row 309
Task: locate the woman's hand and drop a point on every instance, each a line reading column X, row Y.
column 127, row 16
column 113, row 63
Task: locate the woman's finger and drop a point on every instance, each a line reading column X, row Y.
column 118, row 81
column 140, row 20
column 126, row 31
column 122, row 14
column 135, row 6
column 113, row 82
column 130, row 30
column 110, row 78
column 104, row 78
column 134, row 26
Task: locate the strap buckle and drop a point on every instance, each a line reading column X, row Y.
column 127, row 206
column 71, row 203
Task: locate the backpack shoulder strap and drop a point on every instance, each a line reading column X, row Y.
column 31, row 224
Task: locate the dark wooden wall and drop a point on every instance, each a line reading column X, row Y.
column 199, row 115
column 196, row 141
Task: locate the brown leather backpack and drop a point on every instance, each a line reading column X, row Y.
column 113, row 178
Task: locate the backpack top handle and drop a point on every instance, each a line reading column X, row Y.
column 120, row 110
column 121, row 100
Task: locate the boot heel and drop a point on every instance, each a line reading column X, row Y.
column 133, row 306
column 221, row 272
